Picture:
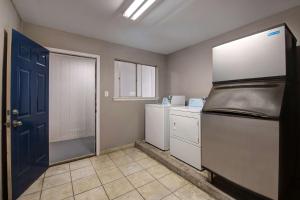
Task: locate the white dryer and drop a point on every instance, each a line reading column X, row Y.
column 185, row 134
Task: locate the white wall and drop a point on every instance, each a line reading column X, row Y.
column 8, row 17
column 71, row 97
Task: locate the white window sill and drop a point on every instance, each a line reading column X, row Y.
column 135, row 98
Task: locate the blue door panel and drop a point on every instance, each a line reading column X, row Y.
column 24, row 52
column 24, row 152
column 29, row 96
column 41, row 142
column 24, row 103
column 41, row 93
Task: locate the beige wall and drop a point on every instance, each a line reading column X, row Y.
column 190, row 69
column 8, row 18
column 122, row 122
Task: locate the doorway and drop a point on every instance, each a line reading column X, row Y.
column 26, row 111
column 73, row 101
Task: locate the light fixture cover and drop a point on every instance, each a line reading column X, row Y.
column 132, row 8
column 142, row 9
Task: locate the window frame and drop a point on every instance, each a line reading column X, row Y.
column 117, row 96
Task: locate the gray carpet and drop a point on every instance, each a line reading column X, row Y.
column 70, row 149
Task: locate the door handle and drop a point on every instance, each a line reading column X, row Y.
column 17, row 123
column 15, row 112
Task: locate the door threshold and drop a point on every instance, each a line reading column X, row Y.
column 72, row 159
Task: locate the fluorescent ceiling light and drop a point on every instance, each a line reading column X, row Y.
column 132, row 8
column 142, row 9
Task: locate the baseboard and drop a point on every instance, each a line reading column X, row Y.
column 110, row 150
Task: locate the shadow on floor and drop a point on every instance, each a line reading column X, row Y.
column 242, row 194
column 70, row 149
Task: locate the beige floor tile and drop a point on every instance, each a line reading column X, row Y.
column 153, row 191
column 117, row 188
column 94, row 194
column 101, row 158
column 69, row 198
column 85, row 184
column 147, row 162
column 42, row 176
column 140, row 178
column 122, row 160
column 32, row 196
column 35, row 187
column 158, row 171
column 59, row 169
column 100, row 165
column 109, row 174
column 57, row 192
column 130, row 150
column 80, row 164
column 130, row 168
column 116, row 154
column 82, row 172
column 171, row 197
column 133, row 195
column 55, row 180
column 191, row 192
column 173, row 181
column 137, row 155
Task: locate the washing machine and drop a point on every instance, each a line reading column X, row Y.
column 157, row 121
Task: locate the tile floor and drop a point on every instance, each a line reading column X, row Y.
column 122, row 175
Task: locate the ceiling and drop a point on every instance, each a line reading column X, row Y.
column 168, row 26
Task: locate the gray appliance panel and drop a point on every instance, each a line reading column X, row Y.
column 256, row 56
column 260, row 99
column 243, row 150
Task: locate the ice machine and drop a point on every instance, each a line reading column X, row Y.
column 248, row 121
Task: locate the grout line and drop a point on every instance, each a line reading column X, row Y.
column 102, row 185
column 134, row 188
column 153, row 154
column 158, row 179
column 155, row 179
column 124, row 176
column 71, row 181
column 42, row 184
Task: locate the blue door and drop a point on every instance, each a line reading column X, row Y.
column 29, row 112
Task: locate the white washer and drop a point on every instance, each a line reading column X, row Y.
column 157, row 125
column 185, row 134
column 157, row 122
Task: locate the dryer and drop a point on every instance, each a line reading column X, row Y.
column 185, row 133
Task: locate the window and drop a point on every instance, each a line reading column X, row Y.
column 134, row 80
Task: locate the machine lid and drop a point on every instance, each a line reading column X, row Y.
column 188, row 109
column 256, row 99
column 158, row 105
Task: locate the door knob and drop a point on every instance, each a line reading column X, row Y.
column 16, row 123
column 15, row 112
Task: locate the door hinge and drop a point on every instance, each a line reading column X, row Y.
column 7, row 124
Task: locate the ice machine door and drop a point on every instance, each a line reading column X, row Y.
column 256, row 56
column 256, row 99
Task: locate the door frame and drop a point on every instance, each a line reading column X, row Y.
column 98, row 89
column 7, row 111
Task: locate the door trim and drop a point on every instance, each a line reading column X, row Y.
column 98, row 92
column 8, row 117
